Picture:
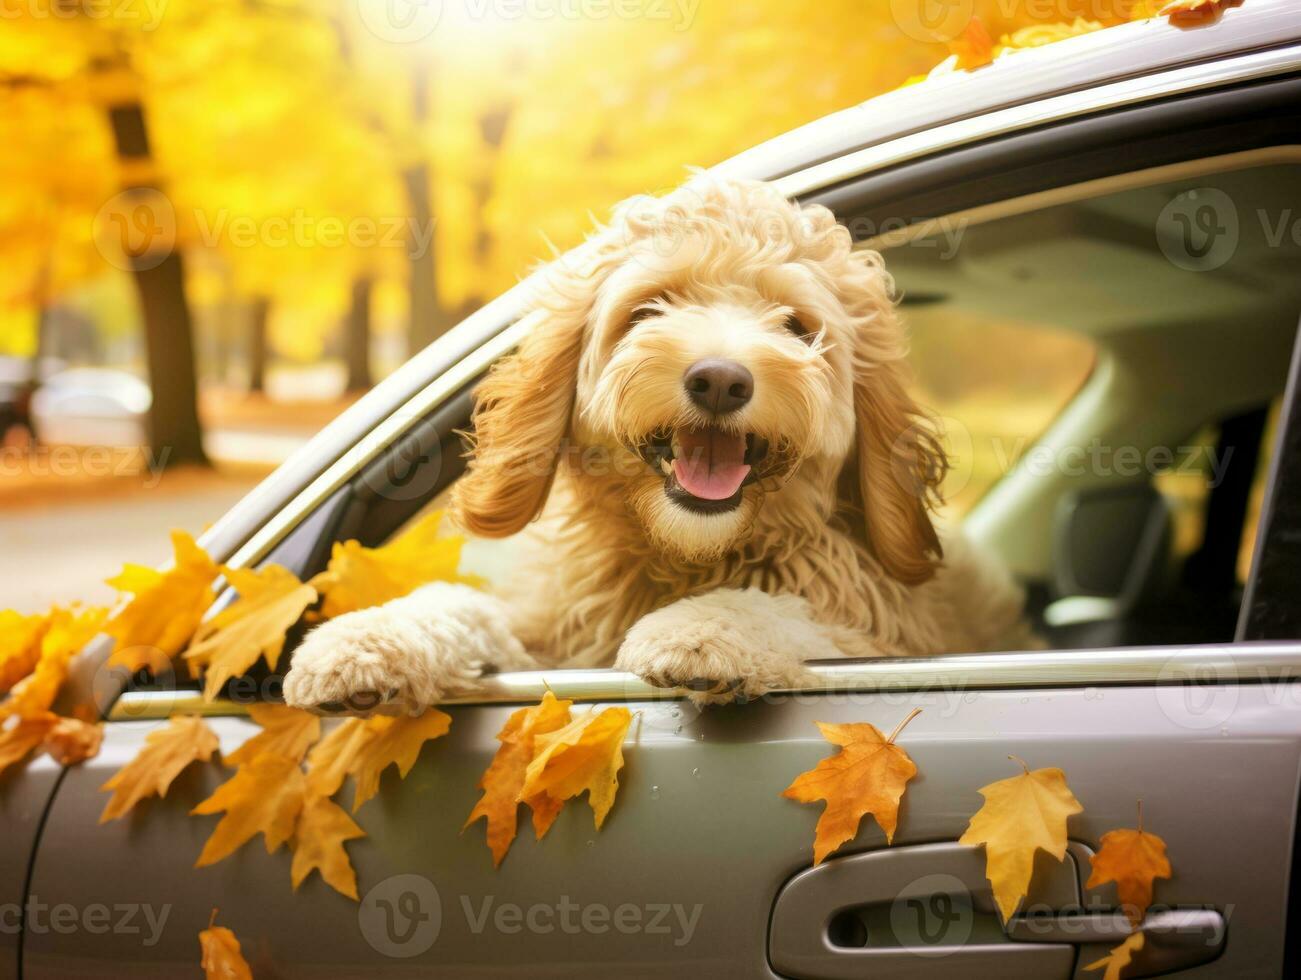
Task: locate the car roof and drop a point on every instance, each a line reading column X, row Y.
column 1078, row 64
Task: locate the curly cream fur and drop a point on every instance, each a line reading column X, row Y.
column 831, row 552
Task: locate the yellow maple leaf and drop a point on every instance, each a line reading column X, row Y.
column 318, row 845
column 20, row 645
column 973, row 47
column 264, row 797
column 285, row 731
column 71, row 741
column 1021, row 815
column 271, row 600
column 358, row 577
column 504, row 778
column 165, row 608
column 67, row 631
column 364, row 748
column 868, row 775
column 18, row 740
column 166, row 752
column 586, row 754
column 221, row 958
column 1117, row 959
column 1133, row 859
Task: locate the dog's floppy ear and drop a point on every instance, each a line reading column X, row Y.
column 521, row 418
column 891, row 481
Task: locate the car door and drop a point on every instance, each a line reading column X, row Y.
column 703, row 867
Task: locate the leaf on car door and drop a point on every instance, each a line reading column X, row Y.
column 21, row 738
column 364, row 748
column 166, row 752
column 504, row 778
column 286, row 731
column 1117, row 959
column 221, row 958
column 67, row 630
column 359, row 577
column 71, row 741
column 264, row 797
column 271, row 600
column 1021, row 815
column 318, row 843
column 1133, row 859
column 165, row 607
column 20, row 645
column 868, row 775
column 585, row 755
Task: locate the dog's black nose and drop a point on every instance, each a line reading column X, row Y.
column 718, row 386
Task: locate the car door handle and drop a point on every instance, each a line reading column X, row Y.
column 1176, row 939
column 910, row 913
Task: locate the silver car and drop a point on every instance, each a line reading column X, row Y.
column 1121, row 209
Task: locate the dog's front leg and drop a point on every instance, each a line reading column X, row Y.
column 728, row 643
column 435, row 643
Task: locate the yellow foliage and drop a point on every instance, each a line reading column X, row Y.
column 286, row 732
column 1117, row 959
column 868, row 775
column 264, row 797
column 67, row 630
column 220, row 956
column 364, row 748
column 318, row 846
column 165, row 607
column 167, row 751
column 271, row 600
column 584, row 756
column 358, row 577
column 1021, row 815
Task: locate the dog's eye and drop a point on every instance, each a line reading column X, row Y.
column 643, row 313
column 796, row 326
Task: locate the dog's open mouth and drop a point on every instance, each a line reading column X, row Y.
column 705, row 469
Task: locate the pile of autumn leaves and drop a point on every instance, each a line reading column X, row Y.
column 1021, row 816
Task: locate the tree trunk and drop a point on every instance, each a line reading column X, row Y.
column 175, row 433
column 258, row 346
column 426, row 320
column 356, row 336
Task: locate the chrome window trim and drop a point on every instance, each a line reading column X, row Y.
column 1237, row 663
column 1059, row 108
column 490, row 337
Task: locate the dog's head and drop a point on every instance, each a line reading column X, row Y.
column 711, row 357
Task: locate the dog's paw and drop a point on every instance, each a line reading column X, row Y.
column 714, row 657
column 374, row 661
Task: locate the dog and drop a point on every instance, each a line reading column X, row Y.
column 711, row 415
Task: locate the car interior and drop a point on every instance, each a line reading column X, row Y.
column 1119, row 473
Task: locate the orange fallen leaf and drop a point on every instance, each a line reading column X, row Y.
column 1133, row 859
column 364, row 748
column 359, row 577
column 71, row 741
column 504, row 778
column 20, row 645
column 18, row 740
column 221, row 958
column 394, row 741
column 264, row 797
column 973, row 47
column 165, row 608
column 67, row 631
column 1117, row 959
column 318, row 845
column 868, row 775
column 285, row 731
column 271, row 600
column 585, row 755
column 166, row 752
column 1020, row 816
column 1184, row 12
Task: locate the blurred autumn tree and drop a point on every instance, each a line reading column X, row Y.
column 286, row 175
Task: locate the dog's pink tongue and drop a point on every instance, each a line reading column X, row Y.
column 710, row 464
